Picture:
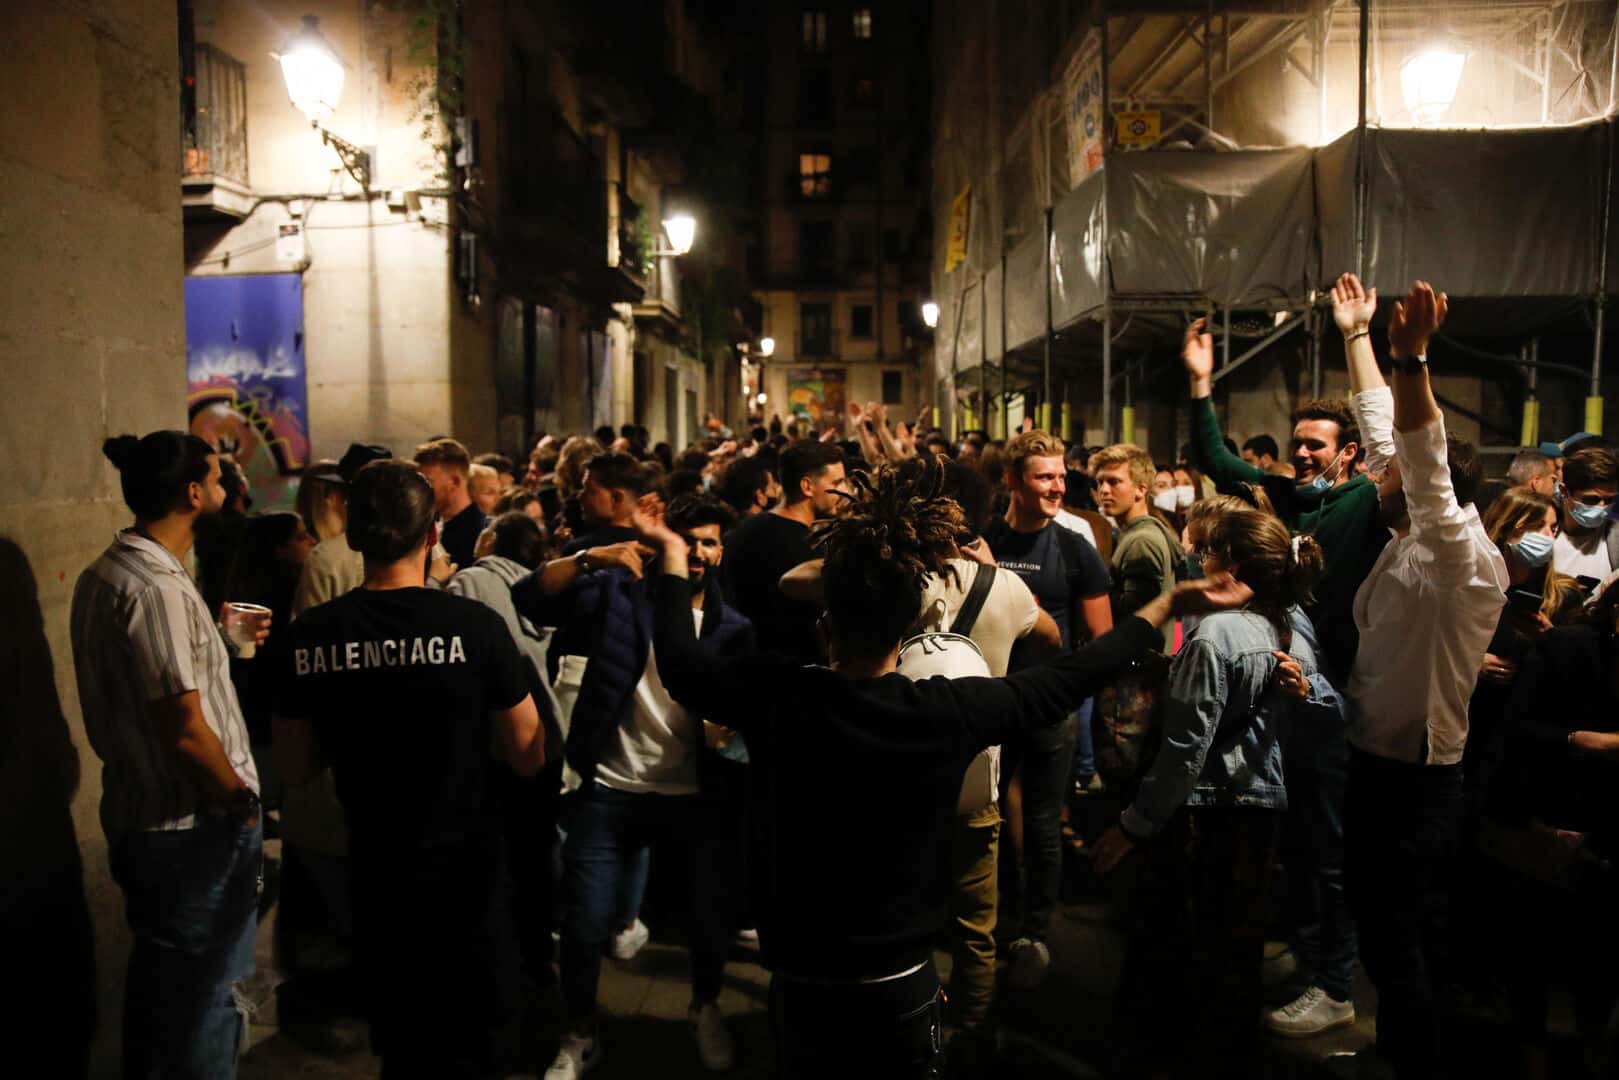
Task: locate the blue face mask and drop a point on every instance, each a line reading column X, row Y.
column 1534, row 550
column 1314, row 491
column 1589, row 517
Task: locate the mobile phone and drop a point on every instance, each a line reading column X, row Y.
column 1524, row 602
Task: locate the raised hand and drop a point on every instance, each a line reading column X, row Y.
column 1415, row 319
column 1197, row 350
column 1217, row 592
column 856, row 414
column 1290, row 676
column 1352, row 305
column 626, row 554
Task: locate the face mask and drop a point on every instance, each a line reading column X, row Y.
column 1185, row 495
column 1165, row 500
column 1588, row 517
column 1314, row 490
column 1534, row 550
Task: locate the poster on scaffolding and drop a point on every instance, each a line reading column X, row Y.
column 960, row 212
column 1082, row 106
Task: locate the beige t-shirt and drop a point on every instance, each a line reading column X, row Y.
column 1009, row 611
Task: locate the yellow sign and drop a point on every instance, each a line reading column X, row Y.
column 1138, row 128
column 960, row 210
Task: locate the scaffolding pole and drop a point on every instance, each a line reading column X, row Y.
column 1316, row 320
column 1593, row 403
column 1006, row 428
column 1360, row 142
column 983, row 353
column 1045, row 405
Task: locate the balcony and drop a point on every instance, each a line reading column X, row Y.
column 213, row 139
column 632, row 239
column 554, row 203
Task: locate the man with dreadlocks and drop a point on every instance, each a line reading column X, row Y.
column 857, row 770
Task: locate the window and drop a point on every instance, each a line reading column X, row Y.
column 893, row 249
column 893, row 387
column 863, row 92
column 815, row 175
column 814, row 30
column 859, row 247
column 815, row 327
column 862, row 24
column 817, row 251
column 814, row 98
column 860, row 322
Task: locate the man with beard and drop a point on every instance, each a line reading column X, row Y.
column 633, row 758
column 180, row 802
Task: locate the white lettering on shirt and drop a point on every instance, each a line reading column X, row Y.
column 367, row 655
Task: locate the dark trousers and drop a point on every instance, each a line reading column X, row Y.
column 1045, row 759
column 599, row 826
column 425, row 953
column 1323, row 932
column 191, row 897
column 528, row 809
column 1400, row 822
column 1194, row 899
column 889, row 1030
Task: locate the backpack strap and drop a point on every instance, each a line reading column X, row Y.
column 967, row 615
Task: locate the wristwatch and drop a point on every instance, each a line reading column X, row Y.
column 580, row 563
column 1410, row 365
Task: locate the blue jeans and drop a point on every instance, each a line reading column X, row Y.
column 1317, row 769
column 1046, row 761
column 191, row 898
column 604, row 832
column 1084, row 744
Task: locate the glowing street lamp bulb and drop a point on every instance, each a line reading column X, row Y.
column 930, row 314
column 1428, row 82
column 762, row 398
column 681, row 230
column 312, row 71
column 767, row 346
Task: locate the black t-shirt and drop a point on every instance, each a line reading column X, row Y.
column 757, row 553
column 460, row 537
column 399, row 685
column 1060, row 570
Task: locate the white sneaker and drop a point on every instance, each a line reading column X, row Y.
column 1030, row 962
column 629, row 941
column 577, row 1055
column 1311, row 1013
column 713, row 1038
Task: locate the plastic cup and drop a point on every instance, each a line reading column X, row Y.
column 242, row 623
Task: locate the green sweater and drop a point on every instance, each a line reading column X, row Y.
column 1143, row 566
column 1344, row 523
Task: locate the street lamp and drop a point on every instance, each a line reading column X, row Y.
column 681, row 231
column 1428, row 81
column 314, row 78
column 930, row 314
column 767, row 346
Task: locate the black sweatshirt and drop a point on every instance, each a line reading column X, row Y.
column 854, row 784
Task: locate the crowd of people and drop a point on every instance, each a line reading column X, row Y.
column 1352, row 700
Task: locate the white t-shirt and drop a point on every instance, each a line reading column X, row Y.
column 1587, row 557
column 1009, row 611
column 656, row 752
column 1074, row 523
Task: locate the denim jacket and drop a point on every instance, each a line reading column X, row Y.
column 1224, row 723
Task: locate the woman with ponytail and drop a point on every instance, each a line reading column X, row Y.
column 857, row 771
column 1210, row 806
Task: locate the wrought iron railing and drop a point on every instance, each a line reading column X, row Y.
column 213, row 117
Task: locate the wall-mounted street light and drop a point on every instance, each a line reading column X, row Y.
column 767, row 346
column 762, row 398
column 681, row 231
column 314, row 78
column 1428, row 82
column 930, row 314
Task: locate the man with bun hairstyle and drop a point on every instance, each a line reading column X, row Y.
column 180, row 794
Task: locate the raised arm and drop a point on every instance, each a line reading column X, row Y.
column 1208, row 443
column 1353, row 308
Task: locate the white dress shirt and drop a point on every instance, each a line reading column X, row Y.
column 1427, row 611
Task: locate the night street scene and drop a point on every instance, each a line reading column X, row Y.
column 835, row 539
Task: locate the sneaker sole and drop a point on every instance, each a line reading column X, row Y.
column 1345, row 1021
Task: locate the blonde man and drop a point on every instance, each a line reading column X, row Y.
column 1146, row 552
column 483, row 484
column 447, row 466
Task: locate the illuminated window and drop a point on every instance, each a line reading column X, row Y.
column 815, row 175
column 814, row 30
column 862, row 24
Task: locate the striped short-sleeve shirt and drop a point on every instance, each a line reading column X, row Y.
column 142, row 632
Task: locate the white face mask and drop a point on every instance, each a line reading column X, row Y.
column 1185, row 495
column 1165, row 500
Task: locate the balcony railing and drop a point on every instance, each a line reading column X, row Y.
column 632, row 247
column 213, row 136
